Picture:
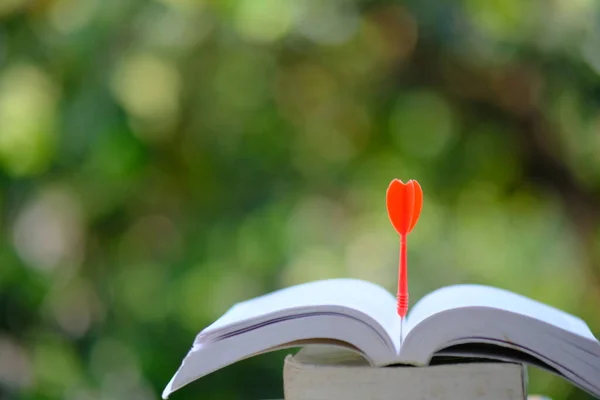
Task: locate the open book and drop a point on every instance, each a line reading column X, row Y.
column 460, row 321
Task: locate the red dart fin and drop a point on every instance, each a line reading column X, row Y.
column 417, row 204
column 400, row 201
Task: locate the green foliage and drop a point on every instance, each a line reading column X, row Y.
column 163, row 160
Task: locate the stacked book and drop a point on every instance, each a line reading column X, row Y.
column 328, row 373
column 461, row 341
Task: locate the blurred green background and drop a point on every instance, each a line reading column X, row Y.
column 162, row 160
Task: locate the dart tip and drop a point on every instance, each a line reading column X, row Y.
column 401, row 329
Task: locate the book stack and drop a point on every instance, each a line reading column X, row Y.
column 329, row 374
column 468, row 340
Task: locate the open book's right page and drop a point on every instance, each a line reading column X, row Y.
column 470, row 295
column 528, row 330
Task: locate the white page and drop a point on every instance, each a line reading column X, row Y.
column 363, row 296
column 469, row 295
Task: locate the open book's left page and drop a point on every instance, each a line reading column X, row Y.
column 350, row 312
column 366, row 298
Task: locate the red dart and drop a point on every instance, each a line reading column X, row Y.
column 404, row 202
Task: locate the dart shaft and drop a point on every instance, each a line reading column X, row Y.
column 402, row 297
